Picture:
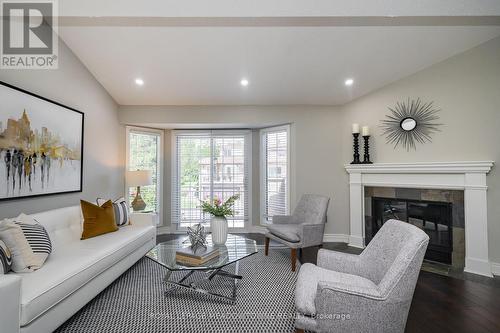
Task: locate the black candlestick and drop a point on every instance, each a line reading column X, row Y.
column 366, row 156
column 356, row 149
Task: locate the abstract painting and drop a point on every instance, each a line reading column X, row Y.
column 41, row 145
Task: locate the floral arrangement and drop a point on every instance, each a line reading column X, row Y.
column 218, row 208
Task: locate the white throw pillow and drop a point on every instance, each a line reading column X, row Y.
column 5, row 258
column 27, row 241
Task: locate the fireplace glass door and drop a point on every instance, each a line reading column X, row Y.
column 434, row 218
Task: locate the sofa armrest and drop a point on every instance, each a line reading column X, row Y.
column 338, row 261
column 10, row 303
column 144, row 219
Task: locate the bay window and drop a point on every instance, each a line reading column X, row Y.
column 207, row 165
column 144, row 152
column 274, row 172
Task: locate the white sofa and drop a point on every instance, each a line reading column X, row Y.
column 74, row 273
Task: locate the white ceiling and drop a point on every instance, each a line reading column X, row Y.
column 285, row 65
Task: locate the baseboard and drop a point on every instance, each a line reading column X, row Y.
column 478, row 266
column 356, row 241
column 495, row 268
column 336, row 238
column 162, row 230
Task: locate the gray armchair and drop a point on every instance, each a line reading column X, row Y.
column 371, row 292
column 304, row 228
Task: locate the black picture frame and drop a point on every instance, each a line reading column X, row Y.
column 82, row 137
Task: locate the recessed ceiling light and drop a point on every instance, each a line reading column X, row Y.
column 244, row 82
column 349, row 82
column 139, row 82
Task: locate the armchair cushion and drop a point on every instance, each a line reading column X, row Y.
column 312, row 276
column 285, row 219
column 288, row 232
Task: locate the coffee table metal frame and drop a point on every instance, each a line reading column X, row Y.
column 210, row 273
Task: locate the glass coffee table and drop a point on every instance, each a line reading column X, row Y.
column 235, row 249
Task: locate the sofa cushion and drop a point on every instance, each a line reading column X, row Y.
column 75, row 264
column 289, row 232
column 307, row 285
column 64, row 225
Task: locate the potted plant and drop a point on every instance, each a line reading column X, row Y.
column 218, row 222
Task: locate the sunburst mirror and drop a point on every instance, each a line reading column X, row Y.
column 411, row 122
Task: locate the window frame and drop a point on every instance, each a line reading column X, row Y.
column 263, row 169
column 159, row 169
column 248, row 152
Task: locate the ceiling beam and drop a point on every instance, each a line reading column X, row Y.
column 277, row 8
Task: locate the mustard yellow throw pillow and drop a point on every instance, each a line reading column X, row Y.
column 97, row 220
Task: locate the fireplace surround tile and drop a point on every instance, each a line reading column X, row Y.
column 437, row 195
column 409, row 193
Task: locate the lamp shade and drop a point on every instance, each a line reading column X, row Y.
column 139, row 178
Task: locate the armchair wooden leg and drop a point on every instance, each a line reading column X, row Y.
column 266, row 251
column 294, row 259
column 299, row 330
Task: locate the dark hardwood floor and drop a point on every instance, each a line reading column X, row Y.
column 440, row 303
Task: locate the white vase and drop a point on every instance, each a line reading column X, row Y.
column 218, row 226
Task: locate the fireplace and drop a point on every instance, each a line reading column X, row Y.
column 433, row 217
column 467, row 178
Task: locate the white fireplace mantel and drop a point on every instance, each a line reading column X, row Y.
column 467, row 176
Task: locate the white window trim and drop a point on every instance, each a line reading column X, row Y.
column 248, row 151
column 159, row 189
column 263, row 169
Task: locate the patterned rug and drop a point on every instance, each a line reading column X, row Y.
column 137, row 302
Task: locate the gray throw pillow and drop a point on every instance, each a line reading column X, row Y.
column 121, row 210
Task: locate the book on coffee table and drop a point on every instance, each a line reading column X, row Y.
column 194, row 258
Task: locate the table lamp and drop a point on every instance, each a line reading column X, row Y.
column 139, row 178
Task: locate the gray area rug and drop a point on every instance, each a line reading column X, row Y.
column 137, row 302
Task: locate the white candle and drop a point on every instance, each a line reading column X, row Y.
column 365, row 131
column 355, row 128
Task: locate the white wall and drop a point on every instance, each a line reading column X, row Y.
column 316, row 153
column 104, row 139
column 467, row 89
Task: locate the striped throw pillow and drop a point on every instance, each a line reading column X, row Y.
column 121, row 210
column 28, row 242
column 37, row 238
column 5, row 258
